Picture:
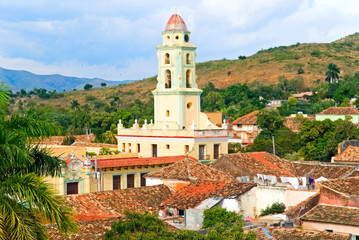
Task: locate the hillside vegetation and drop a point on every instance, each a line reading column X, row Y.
column 262, row 68
column 234, row 87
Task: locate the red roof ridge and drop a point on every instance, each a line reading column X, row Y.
column 260, row 157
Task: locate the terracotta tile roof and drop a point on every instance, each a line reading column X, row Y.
column 123, row 162
column 251, row 164
column 89, row 230
column 298, row 234
column 189, row 169
column 348, row 186
column 317, row 170
column 354, row 174
column 109, row 204
column 350, row 154
column 248, row 119
column 339, row 111
column 333, row 214
column 198, row 191
column 57, row 140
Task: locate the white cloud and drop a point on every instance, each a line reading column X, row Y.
column 116, row 39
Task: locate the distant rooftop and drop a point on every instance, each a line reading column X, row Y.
column 347, row 186
column 248, row 119
column 350, row 154
column 339, row 111
column 189, row 169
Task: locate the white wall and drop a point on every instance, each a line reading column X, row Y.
column 231, row 205
column 153, row 181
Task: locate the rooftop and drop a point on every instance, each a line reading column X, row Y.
column 348, row 186
column 198, row 191
column 248, row 119
column 317, row 170
column 333, row 214
column 189, row 169
column 251, row 164
column 298, row 234
column 89, row 230
column 350, row 154
column 339, row 111
column 124, row 162
column 111, row 204
column 176, row 23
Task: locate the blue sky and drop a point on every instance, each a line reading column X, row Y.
column 117, row 39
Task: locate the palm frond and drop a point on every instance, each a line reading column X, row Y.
column 39, row 195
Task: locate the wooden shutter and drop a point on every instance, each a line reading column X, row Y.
column 130, row 180
column 116, row 182
column 143, row 180
column 72, row 188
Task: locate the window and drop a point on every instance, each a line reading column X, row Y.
column 177, row 37
column 189, row 105
column 329, row 230
column 129, row 147
column 186, row 149
column 167, row 58
column 167, row 113
column 188, row 79
column 167, row 146
column 201, row 152
column 123, row 147
column 143, row 179
column 72, row 188
column 168, row 79
column 154, row 150
column 138, row 148
column 180, row 212
column 215, row 151
column 130, row 180
column 116, row 182
column 188, row 58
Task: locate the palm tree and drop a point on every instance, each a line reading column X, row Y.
column 26, row 199
column 75, row 105
column 332, row 73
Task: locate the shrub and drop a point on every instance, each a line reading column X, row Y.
column 276, row 207
column 88, row 86
column 300, row 70
column 90, row 98
column 68, row 140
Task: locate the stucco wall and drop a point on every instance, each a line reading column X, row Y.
column 231, row 205
column 330, row 226
column 194, row 219
column 293, row 196
column 328, row 196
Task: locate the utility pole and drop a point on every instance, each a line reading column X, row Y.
column 273, row 145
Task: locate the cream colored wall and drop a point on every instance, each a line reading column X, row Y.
column 108, row 176
column 176, row 147
column 191, row 113
column 171, row 103
column 338, row 228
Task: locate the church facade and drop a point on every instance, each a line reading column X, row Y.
column 179, row 127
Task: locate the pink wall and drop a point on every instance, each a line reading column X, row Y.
column 328, row 196
column 339, row 228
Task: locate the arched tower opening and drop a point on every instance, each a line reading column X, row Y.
column 188, row 79
column 188, row 58
column 168, row 79
column 167, row 58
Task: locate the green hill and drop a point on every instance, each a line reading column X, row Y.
column 262, row 68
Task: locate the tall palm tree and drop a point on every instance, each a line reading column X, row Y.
column 332, row 73
column 26, row 199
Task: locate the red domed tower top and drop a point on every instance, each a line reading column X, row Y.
column 176, row 23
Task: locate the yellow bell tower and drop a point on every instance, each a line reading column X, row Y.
column 176, row 97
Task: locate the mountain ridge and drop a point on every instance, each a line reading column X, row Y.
column 21, row 79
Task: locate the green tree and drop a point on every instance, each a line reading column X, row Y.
column 103, row 84
column 75, row 105
column 276, row 207
column 88, row 86
column 26, row 199
column 269, row 119
column 332, row 73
